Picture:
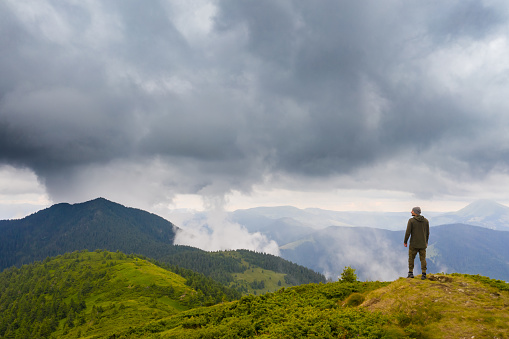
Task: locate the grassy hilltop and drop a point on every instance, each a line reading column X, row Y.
column 88, row 292
column 445, row 306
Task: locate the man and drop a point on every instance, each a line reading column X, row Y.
column 418, row 229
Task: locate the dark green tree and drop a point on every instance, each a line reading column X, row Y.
column 348, row 275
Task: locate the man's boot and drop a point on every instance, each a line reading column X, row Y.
column 423, row 276
column 410, row 274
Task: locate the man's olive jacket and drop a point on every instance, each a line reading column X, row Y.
column 418, row 228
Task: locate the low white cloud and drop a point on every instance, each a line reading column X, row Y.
column 371, row 254
column 215, row 232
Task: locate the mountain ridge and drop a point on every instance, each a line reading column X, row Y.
column 67, row 227
column 484, row 213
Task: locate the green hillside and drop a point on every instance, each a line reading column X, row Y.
column 260, row 273
column 246, row 271
column 111, row 295
column 96, row 293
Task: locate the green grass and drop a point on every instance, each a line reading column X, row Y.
column 273, row 281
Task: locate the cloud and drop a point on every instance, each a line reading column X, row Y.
column 20, row 192
column 215, row 233
column 380, row 261
column 147, row 101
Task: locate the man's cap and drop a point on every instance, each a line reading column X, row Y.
column 416, row 210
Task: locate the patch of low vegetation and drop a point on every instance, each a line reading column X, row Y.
column 499, row 284
column 354, row 299
column 312, row 310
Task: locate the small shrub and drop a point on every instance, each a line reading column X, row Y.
column 355, row 299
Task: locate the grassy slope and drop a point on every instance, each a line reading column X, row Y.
column 134, row 294
column 273, row 281
column 270, row 279
column 118, row 290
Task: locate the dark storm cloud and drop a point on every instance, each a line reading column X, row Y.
column 275, row 87
column 327, row 59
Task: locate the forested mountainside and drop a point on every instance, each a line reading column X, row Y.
column 112, row 295
column 90, row 225
column 223, row 266
column 102, row 224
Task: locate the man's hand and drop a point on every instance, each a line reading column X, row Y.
column 404, row 244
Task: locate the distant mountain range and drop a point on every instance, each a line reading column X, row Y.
column 472, row 240
column 483, row 213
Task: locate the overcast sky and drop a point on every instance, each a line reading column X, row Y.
column 346, row 105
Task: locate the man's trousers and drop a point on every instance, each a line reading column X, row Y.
column 412, row 252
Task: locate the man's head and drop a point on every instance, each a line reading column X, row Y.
column 416, row 211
